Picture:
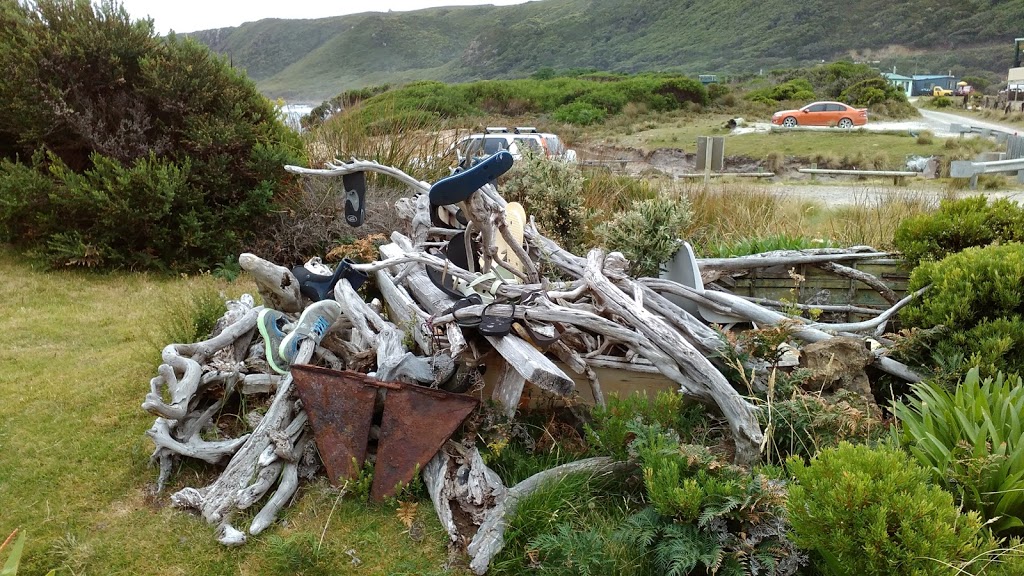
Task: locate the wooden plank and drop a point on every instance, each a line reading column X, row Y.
column 508, row 390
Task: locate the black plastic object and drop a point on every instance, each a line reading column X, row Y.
column 456, row 254
column 491, row 325
column 462, row 185
column 318, row 287
column 355, row 198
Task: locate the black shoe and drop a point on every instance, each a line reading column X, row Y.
column 317, row 287
column 462, row 185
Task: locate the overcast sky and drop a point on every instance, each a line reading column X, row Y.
column 192, row 15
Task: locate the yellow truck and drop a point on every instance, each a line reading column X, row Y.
column 940, row 91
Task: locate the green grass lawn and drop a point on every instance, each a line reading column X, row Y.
column 683, row 133
column 78, row 350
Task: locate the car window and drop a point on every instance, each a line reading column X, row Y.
column 554, row 145
column 835, row 108
column 530, row 143
column 816, row 108
column 494, row 145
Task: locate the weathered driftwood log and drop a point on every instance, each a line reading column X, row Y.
column 761, row 315
column 741, row 415
column 870, row 279
column 457, row 475
column 790, row 258
column 276, row 284
column 490, row 538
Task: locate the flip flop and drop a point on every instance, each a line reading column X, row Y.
column 461, row 185
column 515, row 219
column 355, row 198
column 318, row 287
column 465, row 302
column 499, row 326
column 527, row 332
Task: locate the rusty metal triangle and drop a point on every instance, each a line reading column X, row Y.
column 416, row 422
column 340, row 410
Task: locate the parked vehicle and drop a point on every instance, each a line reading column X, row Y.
column 940, row 91
column 822, row 114
column 516, row 141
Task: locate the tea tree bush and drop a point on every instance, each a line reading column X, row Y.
column 125, row 150
column 871, row 512
column 957, row 225
column 552, row 191
column 648, row 233
column 971, row 440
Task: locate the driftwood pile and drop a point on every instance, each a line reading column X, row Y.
column 605, row 317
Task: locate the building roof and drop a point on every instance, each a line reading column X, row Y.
column 931, row 76
column 894, row 76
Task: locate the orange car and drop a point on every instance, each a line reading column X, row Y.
column 822, row 114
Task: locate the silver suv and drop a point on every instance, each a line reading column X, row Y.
column 497, row 138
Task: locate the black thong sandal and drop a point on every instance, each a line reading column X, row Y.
column 542, row 341
column 499, row 326
column 466, row 302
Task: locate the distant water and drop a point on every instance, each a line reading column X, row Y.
column 293, row 114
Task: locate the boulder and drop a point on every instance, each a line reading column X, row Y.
column 838, row 363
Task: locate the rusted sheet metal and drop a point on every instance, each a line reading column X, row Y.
column 340, row 410
column 416, row 422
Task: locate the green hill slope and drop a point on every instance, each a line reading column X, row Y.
column 317, row 59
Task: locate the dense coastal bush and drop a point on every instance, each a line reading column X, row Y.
column 959, row 224
column 975, row 298
column 125, row 150
column 871, row 512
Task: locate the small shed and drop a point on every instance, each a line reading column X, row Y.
column 923, row 83
column 904, row 83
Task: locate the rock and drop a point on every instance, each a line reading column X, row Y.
column 838, row 363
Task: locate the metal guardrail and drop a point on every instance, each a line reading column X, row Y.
column 898, row 176
column 969, row 169
column 998, row 135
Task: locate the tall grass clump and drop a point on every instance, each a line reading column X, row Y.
column 971, row 440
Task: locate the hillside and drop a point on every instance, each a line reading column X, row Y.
column 311, row 60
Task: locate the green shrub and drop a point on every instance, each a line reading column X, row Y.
column 972, row 442
column 976, row 296
column 580, row 114
column 648, row 233
column 735, row 519
column 798, row 89
column 872, row 512
column 552, row 193
column 158, row 153
column 959, row 224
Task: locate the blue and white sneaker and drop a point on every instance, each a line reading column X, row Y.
column 314, row 323
column 269, row 323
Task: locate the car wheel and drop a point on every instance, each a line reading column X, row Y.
column 845, row 123
column 789, row 122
